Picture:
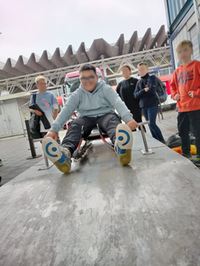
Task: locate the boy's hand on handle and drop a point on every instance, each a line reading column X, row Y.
column 177, row 97
column 132, row 124
column 52, row 134
column 37, row 112
column 191, row 93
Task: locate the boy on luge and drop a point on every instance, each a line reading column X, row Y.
column 95, row 102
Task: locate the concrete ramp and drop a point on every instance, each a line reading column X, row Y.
column 144, row 214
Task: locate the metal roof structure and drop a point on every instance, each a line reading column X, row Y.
column 16, row 76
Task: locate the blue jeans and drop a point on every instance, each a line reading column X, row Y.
column 150, row 114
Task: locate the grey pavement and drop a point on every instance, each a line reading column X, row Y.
column 168, row 126
column 14, row 151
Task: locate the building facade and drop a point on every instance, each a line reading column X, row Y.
column 183, row 24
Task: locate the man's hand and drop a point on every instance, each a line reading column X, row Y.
column 38, row 113
column 146, row 89
column 132, row 124
column 191, row 94
column 177, row 97
column 52, row 134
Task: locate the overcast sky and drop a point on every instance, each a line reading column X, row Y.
column 36, row 25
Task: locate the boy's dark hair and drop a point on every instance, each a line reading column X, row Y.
column 86, row 67
column 126, row 65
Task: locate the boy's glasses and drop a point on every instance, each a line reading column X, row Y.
column 91, row 78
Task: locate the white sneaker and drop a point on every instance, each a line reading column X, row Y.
column 58, row 155
column 123, row 143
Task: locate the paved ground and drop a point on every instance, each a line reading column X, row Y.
column 14, row 151
column 168, row 126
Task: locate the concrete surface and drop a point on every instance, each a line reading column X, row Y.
column 14, row 151
column 144, row 214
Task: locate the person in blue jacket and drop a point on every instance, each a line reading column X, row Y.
column 96, row 103
column 146, row 92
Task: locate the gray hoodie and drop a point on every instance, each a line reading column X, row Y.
column 103, row 100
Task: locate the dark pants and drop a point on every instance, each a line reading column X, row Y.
column 137, row 116
column 150, row 114
column 185, row 121
column 107, row 123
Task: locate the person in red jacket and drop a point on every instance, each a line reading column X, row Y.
column 185, row 88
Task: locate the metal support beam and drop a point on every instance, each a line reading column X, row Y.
column 111, row 65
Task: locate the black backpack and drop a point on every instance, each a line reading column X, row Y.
column 161, row 91
column 34, row 123
column 175, row 140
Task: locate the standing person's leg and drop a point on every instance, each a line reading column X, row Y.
column 155, row 130
column 134, row 115
column 73, row 135
column 194, row 118
column 147, row 117
column 137, row 115
column 184, row 129
column 144, row 111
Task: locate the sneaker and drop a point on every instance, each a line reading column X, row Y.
column 58, row 155
column 1, row 163
column 123, row 143
column 186, row 155
column 196, row 161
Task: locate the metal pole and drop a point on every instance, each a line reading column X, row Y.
column 47, row 166
column 46, row 161
column 144, row 138
column 32, row 147
column 146, row 150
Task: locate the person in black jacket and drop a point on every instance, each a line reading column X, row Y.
column 146, row 92
column 126, row 89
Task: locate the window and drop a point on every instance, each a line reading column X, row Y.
column 174, row 8
column 194, row 40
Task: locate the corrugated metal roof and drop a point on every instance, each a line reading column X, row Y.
column 98, row 49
